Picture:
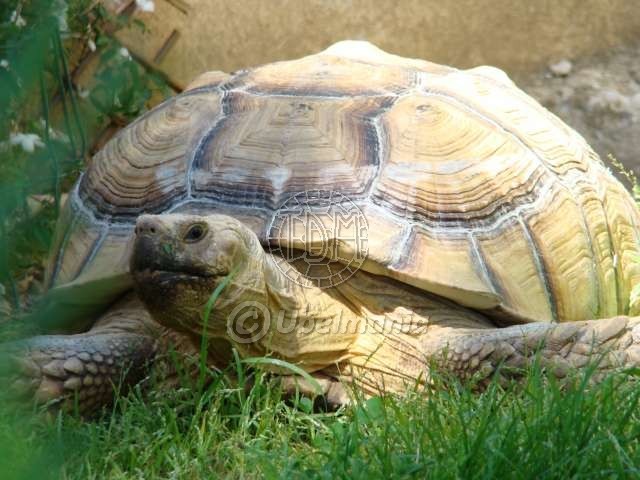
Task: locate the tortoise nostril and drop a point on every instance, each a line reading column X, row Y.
column 147, row 225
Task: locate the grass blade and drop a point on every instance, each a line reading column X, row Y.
column 275, row 362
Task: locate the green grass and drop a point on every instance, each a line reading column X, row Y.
column 531, row 430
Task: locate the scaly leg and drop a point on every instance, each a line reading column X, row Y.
column 608, row 344
column 86, row 370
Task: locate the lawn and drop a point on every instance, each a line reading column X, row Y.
column 533, row 429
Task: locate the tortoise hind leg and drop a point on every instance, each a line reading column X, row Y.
column 605, row 344
column 86, row 370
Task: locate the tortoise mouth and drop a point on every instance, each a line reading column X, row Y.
column 164, row 276
column 153, row 263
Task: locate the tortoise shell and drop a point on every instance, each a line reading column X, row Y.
column 470, row 189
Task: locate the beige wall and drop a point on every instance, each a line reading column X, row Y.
column 190, row 36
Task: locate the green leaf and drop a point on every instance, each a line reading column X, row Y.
column 305, row 404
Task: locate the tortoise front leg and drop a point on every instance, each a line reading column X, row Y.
column 87, row 369
column 606, row 344
column 54, row 368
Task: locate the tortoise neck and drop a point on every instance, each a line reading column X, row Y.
column 293, row 319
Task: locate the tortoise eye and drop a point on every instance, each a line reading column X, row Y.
column 195, row 233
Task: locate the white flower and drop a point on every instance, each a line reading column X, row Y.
column 83, row 93
column 125, row 53
column 28, row 141
column 4, row 63
column 92, row 45
column 145, row 5
column 17, row 19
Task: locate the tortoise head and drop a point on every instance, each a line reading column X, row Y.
column 179, row 260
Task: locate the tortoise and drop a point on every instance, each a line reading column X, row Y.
column 358, row 214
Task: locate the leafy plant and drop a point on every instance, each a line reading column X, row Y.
column 44, row 117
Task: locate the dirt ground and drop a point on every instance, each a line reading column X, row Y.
column 599, row 96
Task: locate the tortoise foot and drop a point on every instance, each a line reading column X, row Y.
column 75, row 372
column 327, row 393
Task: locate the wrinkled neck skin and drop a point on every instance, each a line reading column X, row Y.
column 263, row 312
